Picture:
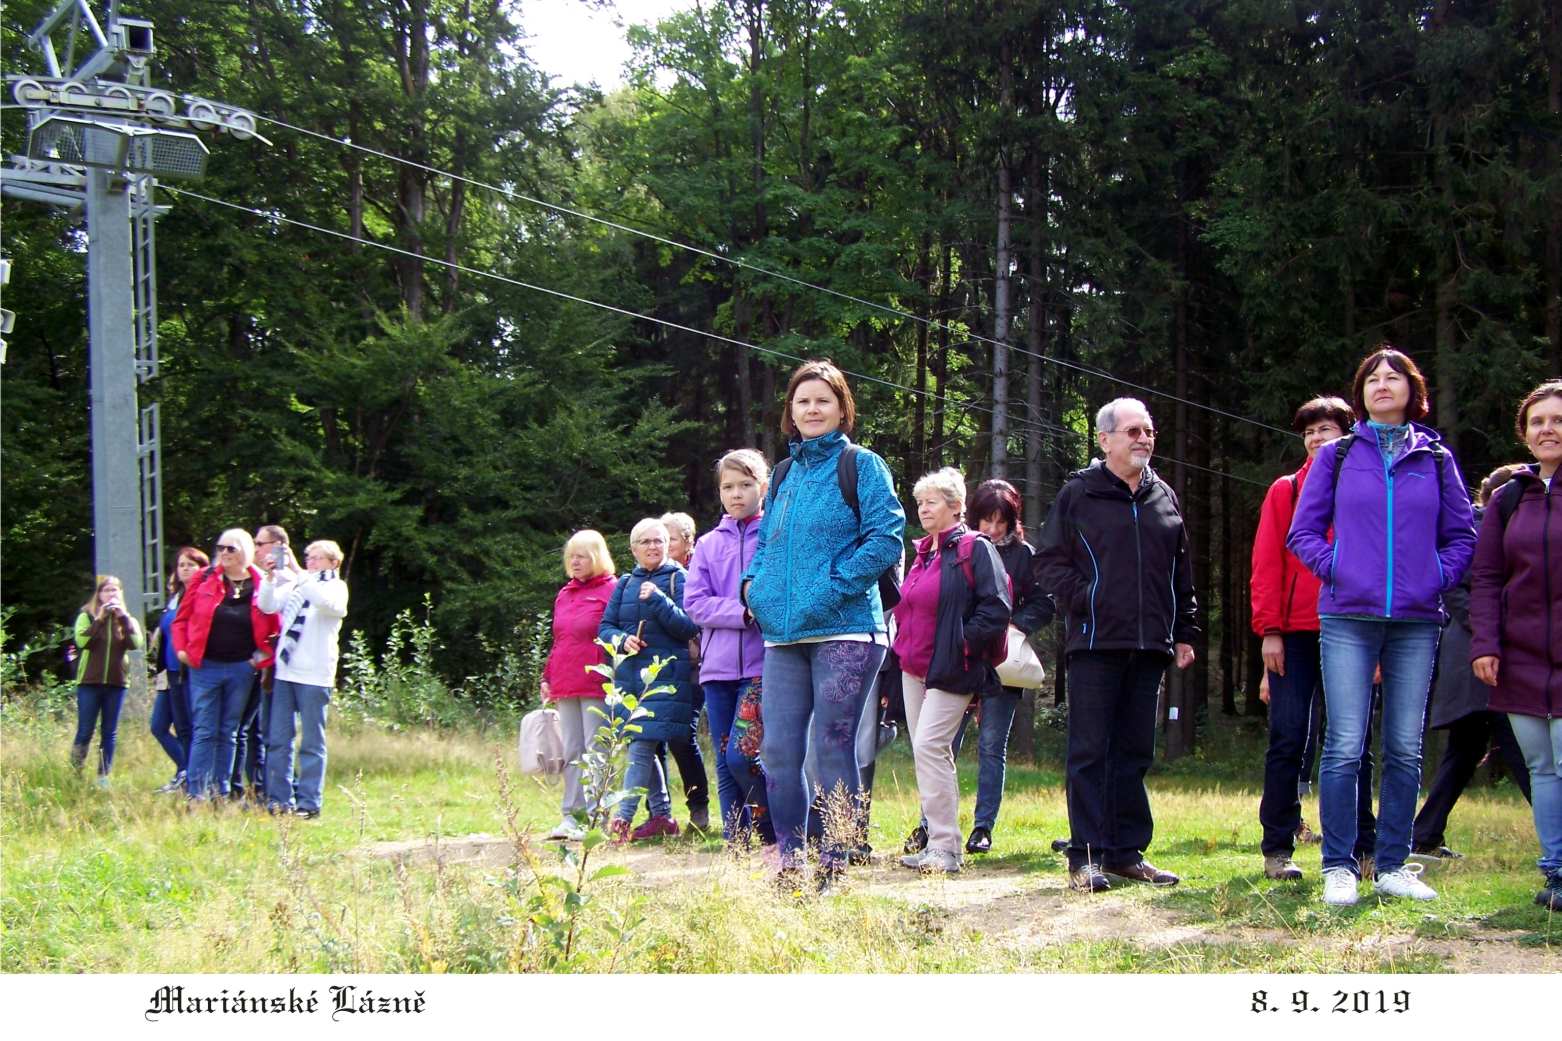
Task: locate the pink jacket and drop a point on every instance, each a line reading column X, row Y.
column 577, row 612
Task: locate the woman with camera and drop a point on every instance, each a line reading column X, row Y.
column 105, row 635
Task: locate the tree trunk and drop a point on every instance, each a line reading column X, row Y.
column 1553, row 261
column 1036, row 194
column 999, row 462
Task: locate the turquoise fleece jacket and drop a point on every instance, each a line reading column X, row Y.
column 816, row 570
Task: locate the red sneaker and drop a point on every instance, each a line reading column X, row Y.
column 618, row 831
column 654, row 827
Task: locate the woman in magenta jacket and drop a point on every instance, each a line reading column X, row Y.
column 566, row 685
column 1403, row 535
column 1516, row 618
column 732, row 649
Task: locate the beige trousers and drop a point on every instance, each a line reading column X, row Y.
column 933, row 716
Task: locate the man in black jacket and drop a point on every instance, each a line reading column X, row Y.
column 1114, row 554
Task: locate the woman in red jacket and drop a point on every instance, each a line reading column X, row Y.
column 566, row 685
column 1516, row 618
column 224, row 638
column 1285, row 616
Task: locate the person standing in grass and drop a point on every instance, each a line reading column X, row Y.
column 732, row 657
column 1396, row 504
column 954, row 604
column 105, row 633
column 224, row 638
column 686, row 750
column 832, row 526
column 310, row 605
column 170, row 720
column 1285, row 616
column 645, row 617
column 1114, row 554
column 1516, row 619
column 575, row 693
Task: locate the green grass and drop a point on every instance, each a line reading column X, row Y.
column 125, row 880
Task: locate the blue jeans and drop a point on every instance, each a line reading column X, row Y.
column 309, row 703
column 1351, row 648
column 816, row 688
column 995, row 721
column 219, row 690
column 644, row 771
column 97, row 702
column 1541, row 742
column 171, row 721
column 740, row 780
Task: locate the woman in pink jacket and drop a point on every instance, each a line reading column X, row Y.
column 566, row 685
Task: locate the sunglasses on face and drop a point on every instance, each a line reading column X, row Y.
column 227, row 549
column 1136, row 432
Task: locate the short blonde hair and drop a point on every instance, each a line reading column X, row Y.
column 332, row 551
column 683, row 522
column 748, row 462
column 594, row 546
column 949, row 482
column 240, row 538
column 644, row 526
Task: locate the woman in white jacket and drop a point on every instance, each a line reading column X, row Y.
column 312, row 604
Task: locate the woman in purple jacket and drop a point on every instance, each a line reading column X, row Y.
column 1402, row 530
column 1516, row 619
column 732, row 649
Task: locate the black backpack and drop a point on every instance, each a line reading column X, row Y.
column 846, row 480
column 1342, row 449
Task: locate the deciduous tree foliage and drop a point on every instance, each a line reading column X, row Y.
column 1222, row 202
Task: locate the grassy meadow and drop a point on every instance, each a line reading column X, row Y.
column 421, row 863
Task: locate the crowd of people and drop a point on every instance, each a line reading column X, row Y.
column 1377, row 588
column 243, row 659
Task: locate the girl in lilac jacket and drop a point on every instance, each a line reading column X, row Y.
column 1402, row 534
column 732, row 649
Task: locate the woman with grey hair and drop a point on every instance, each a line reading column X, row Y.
column 954, row 604
column 310, row 605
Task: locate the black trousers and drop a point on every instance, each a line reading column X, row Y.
column 1111, row 744
column 691, row 763
column 1468, row 739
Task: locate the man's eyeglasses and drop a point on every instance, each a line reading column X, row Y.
column 1136, row 432
column 650, row 542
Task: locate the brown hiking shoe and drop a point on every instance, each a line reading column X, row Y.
column 1281, row 867
column 1087, row 878
column 1305, row 835
column 1144, row 871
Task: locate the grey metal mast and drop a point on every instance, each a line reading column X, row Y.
column 98, row 138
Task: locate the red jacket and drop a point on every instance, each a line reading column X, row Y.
column 193, row 623
column 1285, row 593
column 577, row 612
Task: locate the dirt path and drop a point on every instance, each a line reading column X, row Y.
column 1022, row 909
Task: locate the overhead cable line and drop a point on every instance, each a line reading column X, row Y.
column 949, row 403
column 758, row 269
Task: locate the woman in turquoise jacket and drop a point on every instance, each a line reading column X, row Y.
column 832, row 525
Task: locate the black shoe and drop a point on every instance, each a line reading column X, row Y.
column 308, row 815
column 861, row 855
column 1087, row 878
column 1440, row 852
column 828, row 881
column 789, row 881
column 1060, row 845
column 1144, row 871
column 699, row 817
column 1551, row 897
column 916, row 842
column 981, row 840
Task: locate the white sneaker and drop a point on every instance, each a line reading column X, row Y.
column 1404, row 882
column 566, row 830
column 939, row 861
column 1339, row 886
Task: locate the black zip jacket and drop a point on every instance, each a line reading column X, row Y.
column 1117, row 564
column 1032, row 608
column 968, row 618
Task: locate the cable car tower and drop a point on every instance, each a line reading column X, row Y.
column 99, row 136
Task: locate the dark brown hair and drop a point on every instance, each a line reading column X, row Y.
column 1550, row 388
column 819, row 369
column 1397, row 360
column 173, row 575
column 996, row 498
column 1496, row 479
column 1332, row 409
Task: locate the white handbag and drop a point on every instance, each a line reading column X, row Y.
column 1021, row 668
column 542, row 743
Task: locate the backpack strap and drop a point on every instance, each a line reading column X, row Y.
column 846, row 478
column 963, row 550
column 1341, row 450
column 1508, row 501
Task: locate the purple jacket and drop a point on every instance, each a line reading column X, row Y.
column 731, row 645
column 1396, row 548
column 1516, row 600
